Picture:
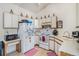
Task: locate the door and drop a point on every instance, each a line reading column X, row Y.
column 57, row 46
column 52, row 45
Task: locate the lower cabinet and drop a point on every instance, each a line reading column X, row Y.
column 51, row 45
column 56, row 48
column 44, row 46
column 54, row 45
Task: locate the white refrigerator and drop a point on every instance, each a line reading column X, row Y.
column 26, row 35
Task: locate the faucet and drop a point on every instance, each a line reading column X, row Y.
column 66, row 33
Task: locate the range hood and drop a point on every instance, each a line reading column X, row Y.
column 46, row 26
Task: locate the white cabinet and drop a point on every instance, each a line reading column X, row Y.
column 15, row 21
column 52, row 47
column 46, row 21
column 54, row 22
column 44, row 46
column 36, row 25
column 7, row 20
column 10, row 20
column 40, row 23
column 77, row 15
column 56, row 48
column 49, row 20
column 43, row 20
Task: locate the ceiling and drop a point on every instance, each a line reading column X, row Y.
column 34, row 7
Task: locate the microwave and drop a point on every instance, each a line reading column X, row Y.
column 75, row 34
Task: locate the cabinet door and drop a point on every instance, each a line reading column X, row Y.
column 7, row 20
column 40, row 23
column 43, row 20
column 36, row 25
column 48, row 20
column 56, row 48
column 54, row 22
column 52, row 47
column 15, row 21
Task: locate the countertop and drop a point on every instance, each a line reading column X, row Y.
column 68, row 45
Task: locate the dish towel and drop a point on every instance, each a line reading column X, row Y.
column 43, row 38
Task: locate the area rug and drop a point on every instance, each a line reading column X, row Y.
column 31, row 52
column 51, row 54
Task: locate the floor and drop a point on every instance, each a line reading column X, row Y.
column 41, row 52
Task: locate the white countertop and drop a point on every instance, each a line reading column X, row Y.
column 69, row 45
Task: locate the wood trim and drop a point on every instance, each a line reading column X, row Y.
column 58, row 43
column 55, row 41
column 57, row 38
column 65, row 54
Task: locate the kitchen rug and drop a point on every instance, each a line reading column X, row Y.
column 51, row 54
column 31, row 52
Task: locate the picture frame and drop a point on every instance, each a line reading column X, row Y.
column 59, row 24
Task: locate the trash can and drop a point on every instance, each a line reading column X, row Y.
column 1, row 48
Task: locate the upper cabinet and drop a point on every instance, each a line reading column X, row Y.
column 39, row 23
column 48, row 21
column 36, row 24
column 77, row 13
column 7, row 20
column 10, row 20
column 54, row 22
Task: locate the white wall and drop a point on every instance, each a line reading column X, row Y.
column 17, row 10
column 65, row 12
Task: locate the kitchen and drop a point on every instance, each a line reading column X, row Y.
column 47, row 28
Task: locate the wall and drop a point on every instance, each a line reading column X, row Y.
column 17, row 10
column 65, row 12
